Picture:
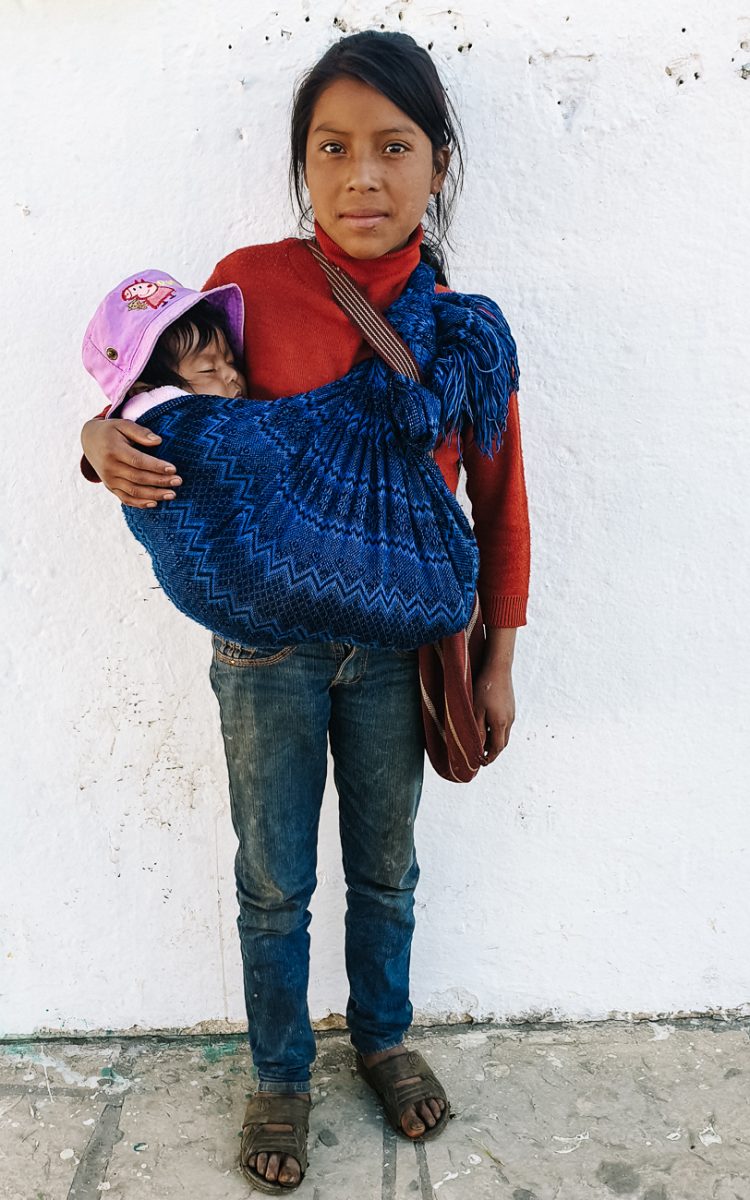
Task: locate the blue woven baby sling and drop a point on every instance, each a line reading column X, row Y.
column 323, row 516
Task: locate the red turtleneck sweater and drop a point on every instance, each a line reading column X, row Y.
column 297, row 338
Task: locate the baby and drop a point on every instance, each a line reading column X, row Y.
column 151, row 340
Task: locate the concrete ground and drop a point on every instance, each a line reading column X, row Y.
column 653, row 1110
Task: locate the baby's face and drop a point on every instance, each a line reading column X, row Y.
column 213, row 371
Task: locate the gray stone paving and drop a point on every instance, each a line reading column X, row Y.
column 653, row 1110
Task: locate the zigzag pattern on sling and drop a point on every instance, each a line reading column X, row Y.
column 323, row 516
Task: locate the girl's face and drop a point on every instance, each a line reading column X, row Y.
column 370, row 170
column 212, row 371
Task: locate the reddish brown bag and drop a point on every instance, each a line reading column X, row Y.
column 446, row 673
column 453, row 740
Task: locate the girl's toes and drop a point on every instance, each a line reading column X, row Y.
column 437, row 1108
column 411, row 1123
column 272, row 1170
column 425, row 1112
column 260, row 1163
column 289, row 1173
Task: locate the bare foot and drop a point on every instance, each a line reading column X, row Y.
column 426, row 1113
column 278, row 1168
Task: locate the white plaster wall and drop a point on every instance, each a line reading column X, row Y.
column 602, row 865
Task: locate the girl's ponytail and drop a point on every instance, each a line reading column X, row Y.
column 431, row 253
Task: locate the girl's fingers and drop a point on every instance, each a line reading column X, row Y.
column 498, row 739
column 137, row 461
column 135, row 433
column 133, row 478
column 480, row 717
column 130, row 493
column 131, row 436
column 129, row 503
column 495, row 743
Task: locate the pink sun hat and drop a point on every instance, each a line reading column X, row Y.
column 126, row 326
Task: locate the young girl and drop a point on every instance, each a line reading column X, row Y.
column 375, row 146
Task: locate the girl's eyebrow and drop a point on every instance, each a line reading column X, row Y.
column 379, row 132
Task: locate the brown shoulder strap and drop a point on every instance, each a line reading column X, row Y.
column 375, row 329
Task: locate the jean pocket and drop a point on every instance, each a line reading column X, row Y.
column 235, row 654
column 406, row 653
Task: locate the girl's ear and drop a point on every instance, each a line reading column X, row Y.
column 440, row 166
column 139, row 387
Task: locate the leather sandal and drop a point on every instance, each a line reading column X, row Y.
column 274, row 1110
column 384, row 1077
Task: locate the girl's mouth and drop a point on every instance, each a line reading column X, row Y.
column 363, row 220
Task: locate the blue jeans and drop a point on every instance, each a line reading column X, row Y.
column 279, row 706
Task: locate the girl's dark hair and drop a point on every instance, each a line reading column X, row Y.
column 191, row 332
column 397, row 67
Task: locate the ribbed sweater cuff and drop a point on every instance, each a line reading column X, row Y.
column 503, row 612
column 88, row 471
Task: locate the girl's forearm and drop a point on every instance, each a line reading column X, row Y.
column 499, row 648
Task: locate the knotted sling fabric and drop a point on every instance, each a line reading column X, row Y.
column 323, row 516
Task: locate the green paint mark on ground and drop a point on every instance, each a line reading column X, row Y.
column 108, row 1077
column 214, row 1053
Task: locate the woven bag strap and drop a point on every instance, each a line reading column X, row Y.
column 374, row 327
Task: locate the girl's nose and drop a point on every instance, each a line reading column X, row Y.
column 364, row 175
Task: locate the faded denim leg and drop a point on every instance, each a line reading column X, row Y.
column 378, row 750
column 275, row 707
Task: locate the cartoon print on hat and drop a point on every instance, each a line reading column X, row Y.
column 143, row 294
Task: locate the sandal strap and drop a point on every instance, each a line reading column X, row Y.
column 386, row 1075
column 410, row 1063
column 276, row 1110
column 259, row 1141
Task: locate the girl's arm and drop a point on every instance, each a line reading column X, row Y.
column 111, row 455
column 497, row 490
column 494, row 701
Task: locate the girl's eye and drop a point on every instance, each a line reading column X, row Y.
column 399, row 147
column 331, row 147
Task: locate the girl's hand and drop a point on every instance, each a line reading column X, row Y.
column 494, row 702
column 138, row 480
column 494, row 707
